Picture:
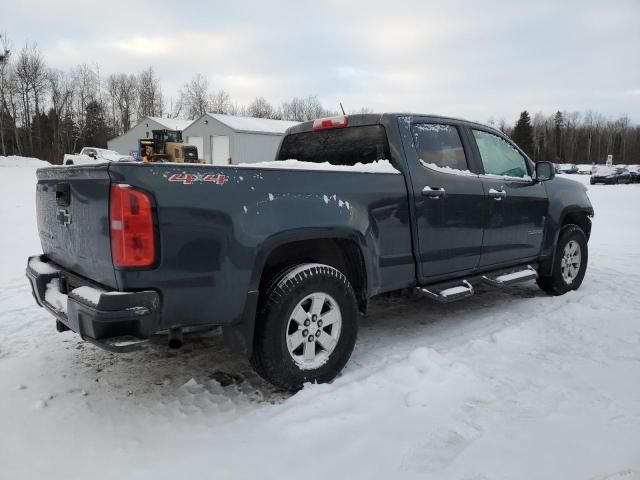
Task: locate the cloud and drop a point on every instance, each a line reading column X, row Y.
column 470, row 59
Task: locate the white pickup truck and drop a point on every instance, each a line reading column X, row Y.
column 92, row 155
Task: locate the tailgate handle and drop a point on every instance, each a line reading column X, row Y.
column 63, row 194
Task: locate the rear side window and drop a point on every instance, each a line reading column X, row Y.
column 439, row 145
column 339, row 146
column 498, row 156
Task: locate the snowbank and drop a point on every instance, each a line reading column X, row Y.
column 26, row 162
column 509, row 384
column 379, row 166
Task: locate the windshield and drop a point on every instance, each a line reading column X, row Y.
column 339, row 146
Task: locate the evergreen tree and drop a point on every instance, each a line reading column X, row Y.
column 558, row 122
column 96, row 131
column 523, row 133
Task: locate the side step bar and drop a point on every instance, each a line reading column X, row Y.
column 506, row 279
column 451, row 294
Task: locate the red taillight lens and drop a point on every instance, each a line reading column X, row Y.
column 330, row 122
column 132, row 233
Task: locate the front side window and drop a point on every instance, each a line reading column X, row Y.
column 499, row 157
column 439, row 145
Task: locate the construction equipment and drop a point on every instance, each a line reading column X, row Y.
column 167, row 146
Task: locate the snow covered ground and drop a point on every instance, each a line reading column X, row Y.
column 506, row 385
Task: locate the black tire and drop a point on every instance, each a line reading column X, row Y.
column 555, row 283
column 592, row 181
column 69, row 162
column 271, row 357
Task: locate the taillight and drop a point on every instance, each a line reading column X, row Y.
column 132, row 233
column 330, row 122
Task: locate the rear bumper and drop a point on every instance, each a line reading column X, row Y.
column 97, row 315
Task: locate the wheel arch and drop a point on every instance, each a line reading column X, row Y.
column 579, row 216
column 343, row 249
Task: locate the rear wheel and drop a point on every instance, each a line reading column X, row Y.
column 592, row 181
column 69, row 162
column 570, row 262
column 307, row 327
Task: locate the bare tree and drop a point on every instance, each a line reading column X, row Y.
column 123, row 91
column 260, row 108
column 31, row 76
column 220, row 102
column 85, row 82
column 61, row 90
column 194, row 97
column 150, row 101
column 303, row 109
column 4, row 72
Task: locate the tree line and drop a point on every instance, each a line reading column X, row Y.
column 46, row 112
column 571, row 137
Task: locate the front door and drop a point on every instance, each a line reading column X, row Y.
column 516, row 205
column 448, row 199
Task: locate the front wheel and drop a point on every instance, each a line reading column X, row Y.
column 570, row 262
column 307, row 327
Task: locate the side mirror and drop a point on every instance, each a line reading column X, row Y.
column 545, row 171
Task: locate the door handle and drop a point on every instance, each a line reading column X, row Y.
column 497, row 194
column 433, row 192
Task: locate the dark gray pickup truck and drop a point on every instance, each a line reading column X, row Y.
column 284, row 255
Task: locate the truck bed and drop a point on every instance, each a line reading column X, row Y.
column 215, row 225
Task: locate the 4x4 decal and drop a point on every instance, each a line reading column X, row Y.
column 190, row 178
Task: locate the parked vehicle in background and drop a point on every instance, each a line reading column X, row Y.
column 634, row 171
column 610, row 175
column 167, row 146
column 585, row 169
column 285, row 255
column 567, row 168
column 92, row 155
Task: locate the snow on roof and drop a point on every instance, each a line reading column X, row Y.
column 173, row 123
column 251, row 124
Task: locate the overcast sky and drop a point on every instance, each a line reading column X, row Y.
column 474, row 59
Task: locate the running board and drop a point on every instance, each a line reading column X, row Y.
column 506, row 279
column 446, row 295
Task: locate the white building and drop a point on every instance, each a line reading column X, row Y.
column 127, row 143
column 241, row 139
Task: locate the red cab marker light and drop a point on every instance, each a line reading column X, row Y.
column 330, row 122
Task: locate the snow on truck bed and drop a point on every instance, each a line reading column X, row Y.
column 379, row 166
column 509, row 384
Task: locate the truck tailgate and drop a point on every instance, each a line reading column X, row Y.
column 73, row 220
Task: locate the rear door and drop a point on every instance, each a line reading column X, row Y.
column 73, row 219
column 516, row 205
column 448, row 198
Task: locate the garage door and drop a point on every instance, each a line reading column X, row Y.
column 220, row 149
column 198, row 143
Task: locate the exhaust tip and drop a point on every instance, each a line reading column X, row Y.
column 175, row 338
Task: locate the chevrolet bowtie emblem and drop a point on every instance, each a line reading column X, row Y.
column 64, row 217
